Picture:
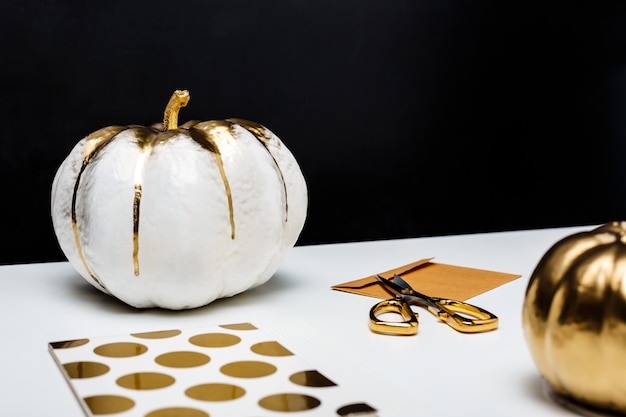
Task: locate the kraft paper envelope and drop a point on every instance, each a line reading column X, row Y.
column 433, row 279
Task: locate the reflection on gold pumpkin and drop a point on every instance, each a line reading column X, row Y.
column 574, row 317
column 177, row 216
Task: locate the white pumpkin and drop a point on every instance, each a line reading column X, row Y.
column 176, row 217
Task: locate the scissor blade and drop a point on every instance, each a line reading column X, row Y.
column 416, row 297
column 400, row 282
column 390, row 286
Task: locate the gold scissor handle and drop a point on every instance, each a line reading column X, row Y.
column 398, row 305
column 472, row 319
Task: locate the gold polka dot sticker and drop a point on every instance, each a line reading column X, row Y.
column 311, row 379
column 121, row 350
column 182, row 359
column 212, row 371
column 85, row 369
column 248, row 369
column 108, row 404
column 145, row 380
column 215, row 340
column 289, row 402
column 272, row 348
column 69, row 344
column 163, row 334
column 177, row 412
column 215, row 392
column 355, row 410
column 239, row 326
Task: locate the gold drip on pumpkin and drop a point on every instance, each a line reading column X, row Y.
column 146, row 139
column 94, row 143
column 138, row 181
column 178, row 100
column 260, row 133
column 205, row 134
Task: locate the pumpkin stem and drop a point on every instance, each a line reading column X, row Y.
column 179, row 99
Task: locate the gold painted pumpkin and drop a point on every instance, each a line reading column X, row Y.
column 177, row 216
column 574, row 318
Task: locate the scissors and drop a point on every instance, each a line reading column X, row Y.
column 463, row 317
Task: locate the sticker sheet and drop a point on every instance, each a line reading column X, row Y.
column 220, row 371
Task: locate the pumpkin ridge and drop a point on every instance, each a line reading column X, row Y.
column 94, row 143
column 555, row 264
column 258, row 130
column 616, row 302
column 146, row 139
column 260, row 133
column 584, row 296
column 202, row 138
column 79, row 246
column 99, row 139
column 202, row 134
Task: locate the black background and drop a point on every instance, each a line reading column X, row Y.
column 408, row 117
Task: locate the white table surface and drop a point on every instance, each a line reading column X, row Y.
column 438, row 372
